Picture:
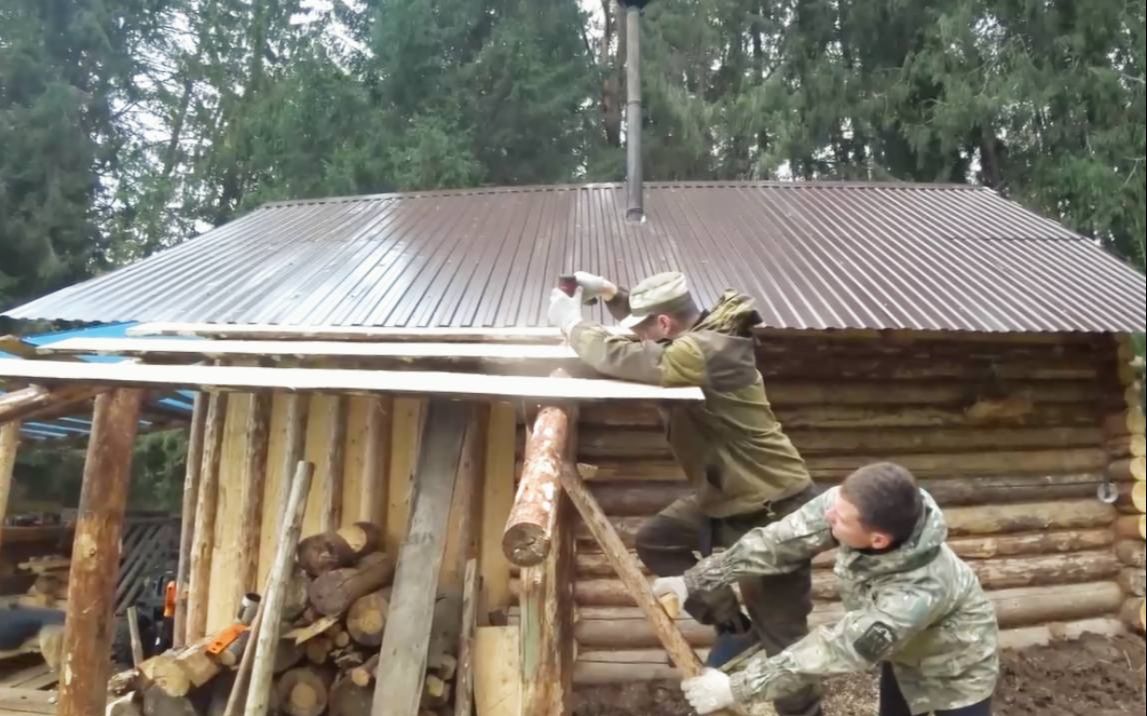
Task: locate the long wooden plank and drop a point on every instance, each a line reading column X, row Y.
column 246, row 379
column 226, row 348
column 402, row 657
column 351, row 333
column 627, row 569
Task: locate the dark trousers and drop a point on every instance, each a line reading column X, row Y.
column 892, row 701
column 670, row 543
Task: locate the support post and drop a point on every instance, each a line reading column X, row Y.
column 9, row 445
column 96, row 554
column 497, row 501
column 206, row 507
column 251, row 493
column 330, row 517
column 187, row 518
column 372, row 505
column 402, row 657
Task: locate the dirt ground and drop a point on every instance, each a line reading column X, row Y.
column 1095, row 676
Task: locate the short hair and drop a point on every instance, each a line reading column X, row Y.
column 887, row 498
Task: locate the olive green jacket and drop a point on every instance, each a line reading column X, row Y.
column 731, row 446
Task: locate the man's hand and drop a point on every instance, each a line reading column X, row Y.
column 709, row 692
column 670, row 585
column 595, row 286
column 565, row 311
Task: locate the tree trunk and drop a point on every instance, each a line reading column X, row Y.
column 526, row 541
column 96, row 554
column 319, row 554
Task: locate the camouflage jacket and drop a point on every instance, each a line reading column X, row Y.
column 731, row 447
column 918, row 607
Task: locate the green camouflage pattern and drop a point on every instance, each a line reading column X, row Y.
column 918, row 607
column 731, row 446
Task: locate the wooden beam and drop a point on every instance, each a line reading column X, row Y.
column 526, row 541
column 271, row 607
column 37, row 399
column 247, row 379
column 187, row 524
column 96, row 554
column 9, row 446
column 255, row 450
column 402, row 658
column 629, row 572
column 406, row 433
column 206, row 507
column 497, row 499
column 330, row 516
column 294, row 443
column 372, row 502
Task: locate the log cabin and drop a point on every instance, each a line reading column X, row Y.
column 943, row 327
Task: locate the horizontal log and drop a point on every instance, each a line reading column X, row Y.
column 641, row 414
column 1132, row 498
column 1126, row 446
column 1133, row 581
column 922, row 465
column 38, row 399
column 1131, row 526
column 1126, row 422
column 1132, row 468
column 1132, row 553
column 983, row 520
column 626, row 627
column 601, row 443
column 634, row 665
column 590, row 564
column 1133, row 614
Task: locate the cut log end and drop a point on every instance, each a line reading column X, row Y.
column 1133, row 614
column 525, row 544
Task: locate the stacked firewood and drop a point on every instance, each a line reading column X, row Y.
column 51, row 586
column 332, row 627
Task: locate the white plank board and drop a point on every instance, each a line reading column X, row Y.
column 354, row 333
column 463, row 385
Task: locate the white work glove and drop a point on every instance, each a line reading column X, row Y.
column 565, row 311
column 709, row 692
column 670, row 585
column 595, row 286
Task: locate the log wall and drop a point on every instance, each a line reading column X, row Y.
column 1009, row 436
column 1124, row 442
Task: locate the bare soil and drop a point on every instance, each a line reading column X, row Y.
column 1094, row 676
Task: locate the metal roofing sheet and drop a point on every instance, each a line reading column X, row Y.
column 814, row 255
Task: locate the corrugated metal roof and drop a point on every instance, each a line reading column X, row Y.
column 814, row 255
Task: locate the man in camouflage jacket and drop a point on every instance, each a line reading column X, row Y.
column 911, row 605
column 745, row 471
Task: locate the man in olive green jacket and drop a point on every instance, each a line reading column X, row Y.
column 745, row 471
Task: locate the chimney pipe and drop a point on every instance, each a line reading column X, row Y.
column 635, row 210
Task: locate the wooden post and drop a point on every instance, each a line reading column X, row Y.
column 295, row 442
column 372, row 505
column 682, row 655
column 267, row 644
column 526, row 541
column 497, row 500
column 406, row 435
column 206, row 506
column 187, row 524
column 9, row 445
column 96, row 554
column 464, row 686
column 251, row 494
column 332, row 505
column 402, row 658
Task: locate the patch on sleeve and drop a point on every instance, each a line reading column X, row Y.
column 875, row 642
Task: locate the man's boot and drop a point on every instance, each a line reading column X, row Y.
column 733, row 638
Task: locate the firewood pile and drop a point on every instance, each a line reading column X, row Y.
column 50, row 589
column 332, row 626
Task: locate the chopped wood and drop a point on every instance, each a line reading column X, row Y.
column 363, row 675
column 348, row 698
column 348, row 657
column 333, row 593
column 435, row 692
column 164, row 673
column 197, row 664
column 444, row 666
column 320, row 553
column 158, row 702
column 326, row 380
column 301, row 635
column 366, row 620
column 303, row 691
column 318, row 650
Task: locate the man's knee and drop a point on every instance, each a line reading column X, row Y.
column 665, row 545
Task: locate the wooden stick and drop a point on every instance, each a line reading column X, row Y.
column 330, row 515
column 136, row 642
column 259, row 694
column 37, row 399
column 9, row 446
column 187, row 524
column 251, row 494
column 206, row 507
column 526, row 541
column 402, row 657
column 679, row 650
column 96, row 554
column 464, row 686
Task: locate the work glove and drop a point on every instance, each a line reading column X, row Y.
column 595, row 286
column 670, row 585
column 709, row 692
column 565, row 311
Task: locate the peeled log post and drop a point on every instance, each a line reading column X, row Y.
column 529, row 529
column 372, row 495
column 334, row 592
column 187, row 523
column 319, row 554
column 206, row 506
column 96, row 554
column 251, row 492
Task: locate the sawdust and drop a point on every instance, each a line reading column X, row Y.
column 1094, row 676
